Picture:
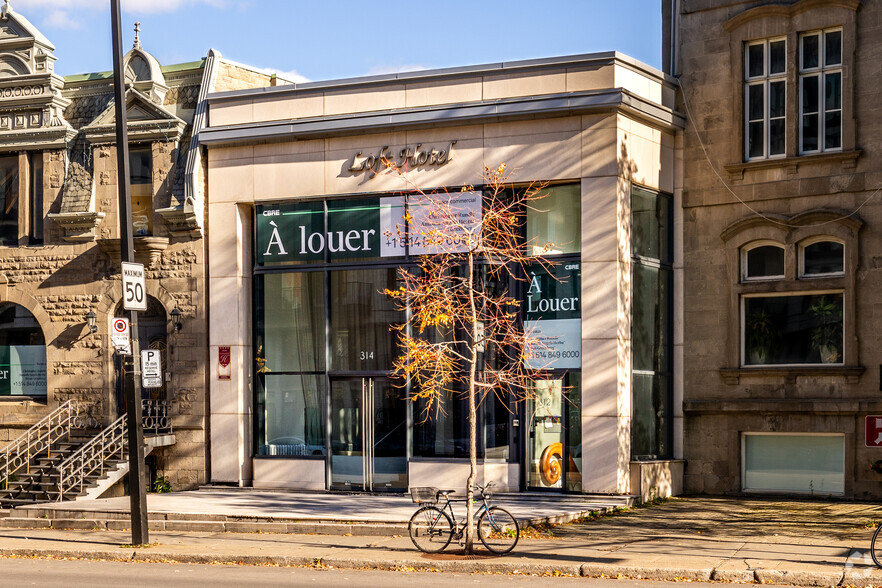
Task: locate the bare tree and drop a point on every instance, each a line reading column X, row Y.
column 468, row 242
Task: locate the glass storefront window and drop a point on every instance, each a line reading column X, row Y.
column 651, row 234
column 554, row 446
column 291, row 412
column 555, row 221
column 354, row 229
column 651, row 325
column 441, row 431
column 497, row 415
column 361, row 316
column 650, row 319
column 290, row 233
column 290, row 319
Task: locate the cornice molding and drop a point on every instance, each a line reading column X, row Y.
column 787, row 11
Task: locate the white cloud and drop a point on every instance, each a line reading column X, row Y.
column 291, row 76
column 61, row 19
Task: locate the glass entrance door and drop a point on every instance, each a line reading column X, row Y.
column 554, row 455
column 368, row 435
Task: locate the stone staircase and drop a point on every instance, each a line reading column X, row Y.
column 38, row 481
column 60, row 459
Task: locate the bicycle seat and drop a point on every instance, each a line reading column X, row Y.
column 445, row 492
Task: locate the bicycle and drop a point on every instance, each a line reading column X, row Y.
column 876, row 550
column 431, row 528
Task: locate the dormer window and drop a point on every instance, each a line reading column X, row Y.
column 141, row 179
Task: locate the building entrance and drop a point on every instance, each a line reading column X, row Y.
column 368, row 435
column 554, row 453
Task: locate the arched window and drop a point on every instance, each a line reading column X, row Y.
column 763, row 260
column 22, row 352
column 820, row 257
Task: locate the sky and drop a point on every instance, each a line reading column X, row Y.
column 313, row 40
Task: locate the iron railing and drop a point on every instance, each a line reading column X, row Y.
column 155, row 418
column 39, row 438
column 111, row 443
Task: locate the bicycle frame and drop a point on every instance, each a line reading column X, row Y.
column 459, row 527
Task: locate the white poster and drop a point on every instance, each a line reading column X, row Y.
column 557, row 344
column 432, row 230
column 23, row 370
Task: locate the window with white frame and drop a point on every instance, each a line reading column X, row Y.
column 793, row 306
column 793, row 328
column 820, row 90
column 763, row 260
column 765, row 98
column 821, row 257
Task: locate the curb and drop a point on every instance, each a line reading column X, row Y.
column 593, row 570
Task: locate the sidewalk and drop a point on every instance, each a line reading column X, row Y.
column 804, row 543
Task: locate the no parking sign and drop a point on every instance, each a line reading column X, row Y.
column 119, row 336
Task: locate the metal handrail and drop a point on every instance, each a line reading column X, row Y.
column 111, row 442
column 39, row 438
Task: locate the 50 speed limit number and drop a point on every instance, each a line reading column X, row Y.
column 134, row 295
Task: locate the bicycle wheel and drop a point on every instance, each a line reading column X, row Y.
column 876, row 546
column 430, row 529
column 498, row 530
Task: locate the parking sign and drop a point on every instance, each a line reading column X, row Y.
column 151, row 369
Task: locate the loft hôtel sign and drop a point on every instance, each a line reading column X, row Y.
column 407, row 158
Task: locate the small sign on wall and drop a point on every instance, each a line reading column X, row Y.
column 874, row 431
column 223, row 362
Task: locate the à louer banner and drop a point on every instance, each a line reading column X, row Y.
column 22, row 370
column 553, row 316
column 365, row 228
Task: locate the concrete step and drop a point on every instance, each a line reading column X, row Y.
column 32, row 516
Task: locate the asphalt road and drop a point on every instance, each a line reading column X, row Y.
column 76, row 573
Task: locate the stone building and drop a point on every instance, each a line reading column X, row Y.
column 782, row 263
column 59, row 228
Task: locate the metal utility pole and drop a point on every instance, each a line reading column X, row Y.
column 137, row 480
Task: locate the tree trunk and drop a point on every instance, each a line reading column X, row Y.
column 473, row 425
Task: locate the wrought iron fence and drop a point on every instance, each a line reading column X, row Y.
column 110, row 444
column 156, row 418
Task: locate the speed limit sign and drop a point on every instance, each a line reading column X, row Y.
column 134, row 295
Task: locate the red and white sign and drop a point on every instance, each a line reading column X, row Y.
column 223, row 362
column 119, row 336
column 874, row 431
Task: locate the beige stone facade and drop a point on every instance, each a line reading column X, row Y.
column 60, row 259
column 603, row 122
column 787, row 419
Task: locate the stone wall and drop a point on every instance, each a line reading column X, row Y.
column 233, row 77
column 721, row 400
